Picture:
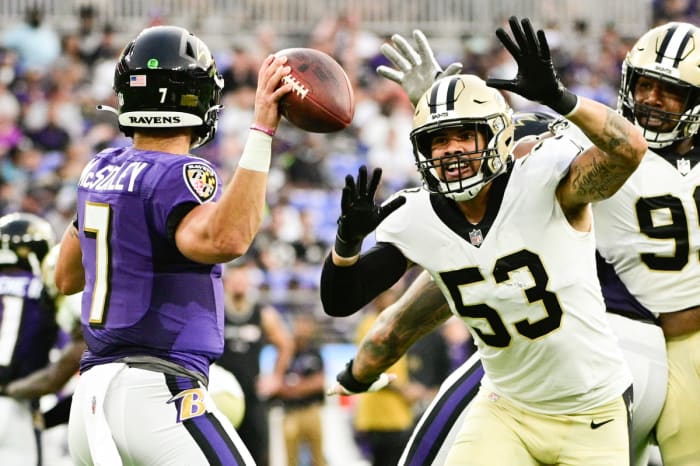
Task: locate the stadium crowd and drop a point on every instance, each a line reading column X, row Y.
column 51, row 81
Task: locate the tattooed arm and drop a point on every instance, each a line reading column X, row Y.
column 602, row 169
column 418, row 311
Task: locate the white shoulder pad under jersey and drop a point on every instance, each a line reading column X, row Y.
column 529, row 293
column 650, row 231
column 563, row 127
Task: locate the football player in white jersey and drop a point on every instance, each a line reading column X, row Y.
column 647, row 234
column 641, row 338
column 511, row 247
column 649, row 231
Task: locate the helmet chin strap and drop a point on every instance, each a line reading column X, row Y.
column 476, row 185
column 477, row 181
column 655, row 139
column 213, row 108
column 107, row 108
column 200, row 141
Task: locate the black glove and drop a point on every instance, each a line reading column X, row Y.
column 359, row 215
column 536, row 79
column 349, row 385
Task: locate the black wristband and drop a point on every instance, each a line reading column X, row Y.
column 3, row 390
column 346, row 249
column 566, row 102
column 349, row 382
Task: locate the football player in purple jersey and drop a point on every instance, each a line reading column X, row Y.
column 153, row 225
column 28, row 329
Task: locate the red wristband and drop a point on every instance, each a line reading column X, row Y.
column 263, row 129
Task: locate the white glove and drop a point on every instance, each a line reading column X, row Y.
column 416, row 69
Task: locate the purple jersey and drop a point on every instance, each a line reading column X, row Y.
column 28, row 326
column 142, row 296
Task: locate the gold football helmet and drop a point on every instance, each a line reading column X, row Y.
column 670, row 53
column 459, row 101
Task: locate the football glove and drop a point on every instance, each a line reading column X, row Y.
column 536, row 79
column 416, row 69
column 349, row 385
column 359, row 214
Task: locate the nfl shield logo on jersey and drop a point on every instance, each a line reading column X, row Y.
column 200, row 179
column 475, row 237
column 683, row 166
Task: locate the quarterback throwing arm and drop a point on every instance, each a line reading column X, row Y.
column 154, row 224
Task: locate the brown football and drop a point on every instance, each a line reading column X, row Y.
column 322, row 100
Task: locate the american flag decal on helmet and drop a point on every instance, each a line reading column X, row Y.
column 137, row 80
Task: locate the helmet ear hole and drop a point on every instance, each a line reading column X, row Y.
column 189, row 51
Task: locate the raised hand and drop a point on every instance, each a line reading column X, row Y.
column 359, row 215
column 416, row 69
column 536, row 79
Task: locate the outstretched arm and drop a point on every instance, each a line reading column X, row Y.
column 221, row 231
column 604, row 167
column 619, row 145
column 415, row 68
column 418, row 311
column 347, row 278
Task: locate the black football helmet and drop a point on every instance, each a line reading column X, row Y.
column 25, row 239
column 166, row 77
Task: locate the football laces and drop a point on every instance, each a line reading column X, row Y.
column 297, row 87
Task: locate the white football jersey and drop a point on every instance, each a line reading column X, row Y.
column 650, row 231
column 529, row 292
column 656, row 213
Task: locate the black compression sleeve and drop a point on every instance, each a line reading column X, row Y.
column 175, row 217
column 345, row 290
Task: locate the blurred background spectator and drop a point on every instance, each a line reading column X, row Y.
column 302, row 396
column 36, row 43
column 250, row 326
column 383, row 419
column 57, row 63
